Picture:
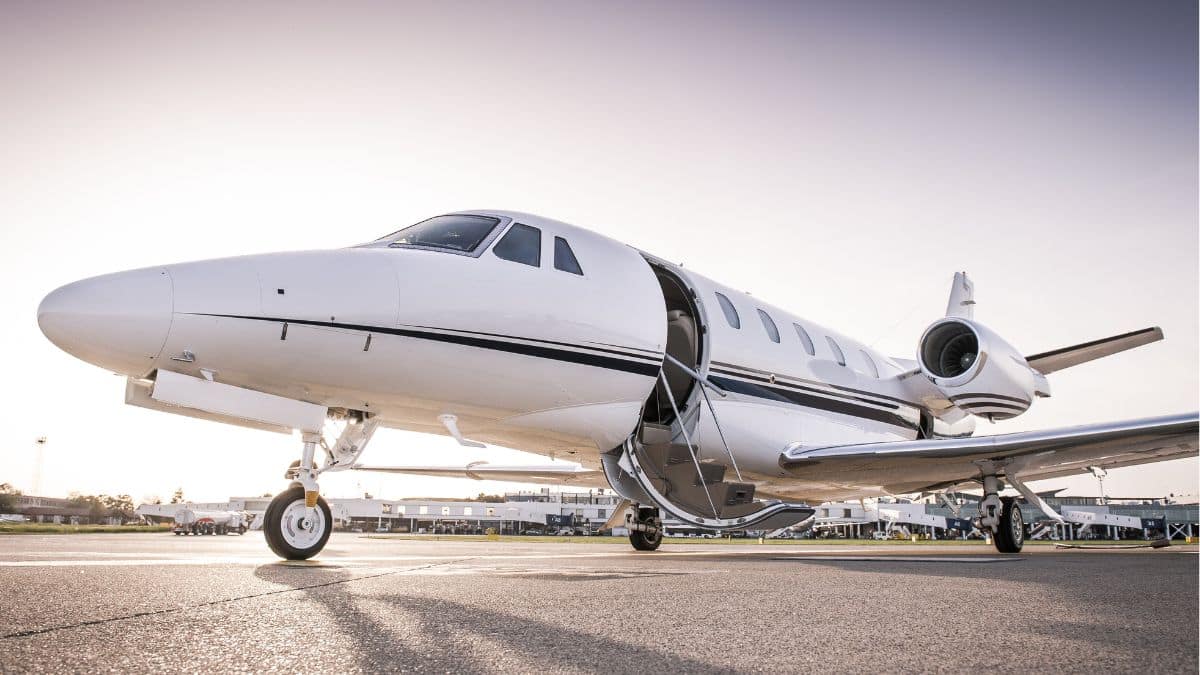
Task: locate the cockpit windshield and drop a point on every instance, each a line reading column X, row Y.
column 454, row 233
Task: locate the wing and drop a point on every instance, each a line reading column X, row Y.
column 915, row 466
column 555, row 474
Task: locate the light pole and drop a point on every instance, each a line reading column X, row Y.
column 39, row 446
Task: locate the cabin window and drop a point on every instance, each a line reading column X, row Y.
column 454, row 233
column 769, row 326
column 805, row 339
column 872, row 369
column 564, row 257
column 837, row 351
column 522, row 244
column 730, row 311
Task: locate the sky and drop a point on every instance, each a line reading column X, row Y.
column 840, row 160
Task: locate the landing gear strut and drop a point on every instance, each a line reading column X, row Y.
column 645, row 528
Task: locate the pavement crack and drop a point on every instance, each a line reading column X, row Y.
column 223, row 601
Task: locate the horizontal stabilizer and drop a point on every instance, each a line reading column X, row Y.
column 1058, row 359
column 555, row 474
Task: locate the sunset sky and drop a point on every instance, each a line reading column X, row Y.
column 840, row 160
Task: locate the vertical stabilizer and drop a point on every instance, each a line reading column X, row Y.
column 962, row 298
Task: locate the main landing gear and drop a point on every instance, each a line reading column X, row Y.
column 298, row 521
column 1001, row 516
column 645, row 528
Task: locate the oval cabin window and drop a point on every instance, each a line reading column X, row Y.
column 730, row 311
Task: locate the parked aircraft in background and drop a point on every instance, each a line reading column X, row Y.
column 681, row 394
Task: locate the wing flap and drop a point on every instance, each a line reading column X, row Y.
column 1066, row 357
column 911, row 466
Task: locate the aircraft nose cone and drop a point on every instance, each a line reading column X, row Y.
column 116, row 321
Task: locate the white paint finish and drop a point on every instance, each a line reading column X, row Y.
column 116, row 321
column 531, row 358
column 223, row 399
column 616, row 302
column 347, row 286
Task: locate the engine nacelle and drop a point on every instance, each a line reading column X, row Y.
column 977, row 370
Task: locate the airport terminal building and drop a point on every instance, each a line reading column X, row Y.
column 552, row 512
column 543, row 511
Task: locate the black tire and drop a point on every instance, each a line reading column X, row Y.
column 644, row 541
column 1011, row 536
column 278, row 532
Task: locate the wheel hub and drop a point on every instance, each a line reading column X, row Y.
column 298, row 529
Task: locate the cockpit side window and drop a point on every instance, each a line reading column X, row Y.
column 731, row 314
column 564, row 257
column 459, row 233
column 522, row 244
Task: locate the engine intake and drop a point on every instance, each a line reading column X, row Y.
column 949, row 349
column 977, row 371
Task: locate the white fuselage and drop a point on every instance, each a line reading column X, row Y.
column 529, row 357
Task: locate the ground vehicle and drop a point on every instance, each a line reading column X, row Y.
column 192, row 521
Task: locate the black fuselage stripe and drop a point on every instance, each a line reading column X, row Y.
column 583, row 358
column 779, row 394
column 620, row 351
column 992, row 404
column 751, row 372
column 1000, row 397
column 813, row 390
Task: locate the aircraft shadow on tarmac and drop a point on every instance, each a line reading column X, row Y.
column 448, row 624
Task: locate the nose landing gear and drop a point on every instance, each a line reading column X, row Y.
column 297, row 522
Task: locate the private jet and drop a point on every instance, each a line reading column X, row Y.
column 689, row 399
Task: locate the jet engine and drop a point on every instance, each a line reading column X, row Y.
column 977, row 370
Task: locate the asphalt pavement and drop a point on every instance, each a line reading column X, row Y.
column 156, row 602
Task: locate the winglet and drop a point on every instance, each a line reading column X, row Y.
column 962, row 298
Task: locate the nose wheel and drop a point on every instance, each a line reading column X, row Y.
column 294, row 531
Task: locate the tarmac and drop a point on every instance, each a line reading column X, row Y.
column 156, row 602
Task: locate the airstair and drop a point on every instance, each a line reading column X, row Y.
column 665, row 466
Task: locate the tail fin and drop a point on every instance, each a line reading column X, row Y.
column 962, row 297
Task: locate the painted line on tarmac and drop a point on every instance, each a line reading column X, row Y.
column 361, row 560
column 898, row 558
